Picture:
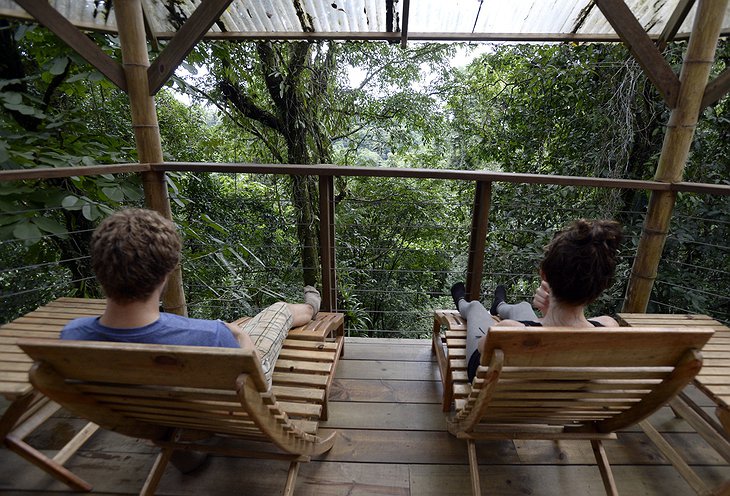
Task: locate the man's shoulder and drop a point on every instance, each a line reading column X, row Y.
column 77, row 328
column 182, row 322
column 81, row 322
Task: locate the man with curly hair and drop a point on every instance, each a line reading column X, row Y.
column 133, row 252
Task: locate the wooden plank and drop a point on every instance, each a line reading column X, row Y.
column 297, row 366
column 412, row 446
column 387, row 370
column 640, row 346
column 397, row 416
column 379, row 390
column 414, row 353
column 453, row 480
column 168, row 364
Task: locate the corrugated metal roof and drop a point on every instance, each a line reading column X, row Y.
column 428, row 19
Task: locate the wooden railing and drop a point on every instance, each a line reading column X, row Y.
column 326, row 174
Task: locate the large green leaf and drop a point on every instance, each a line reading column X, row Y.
column 27, row 231
column 49, row 225
column 114, row 193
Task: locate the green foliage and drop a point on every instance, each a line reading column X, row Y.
column 560, row 109
column 394, row 250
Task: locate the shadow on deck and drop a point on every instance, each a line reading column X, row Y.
column 385, row 403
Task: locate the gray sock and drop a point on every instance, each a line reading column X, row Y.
column 312, row 298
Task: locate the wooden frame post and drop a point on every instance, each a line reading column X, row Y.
column 146, row 130
column 478, row 238
column 675, row 150
column 327, row 242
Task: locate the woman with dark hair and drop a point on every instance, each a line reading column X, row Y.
column 579, row 264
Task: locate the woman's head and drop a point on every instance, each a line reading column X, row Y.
column 580, row 261
column 132, row 252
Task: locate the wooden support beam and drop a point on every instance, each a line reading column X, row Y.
column 82, row 44
column 154, row 42
column 716, row 89
column 675, row 150
column 327, row 242
column 186, row 38
column 404, row 23
column 644, row 50
column 478, row 238
column 674, row 22
column 412, row 36
column 146, row 130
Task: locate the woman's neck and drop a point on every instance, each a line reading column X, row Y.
column 127, row 315
column 562, row 315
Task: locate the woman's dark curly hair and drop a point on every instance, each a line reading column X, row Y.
column 580, row 261
column 132, row 252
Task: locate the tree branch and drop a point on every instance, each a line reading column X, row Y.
column 271, row 71
column 247, row 106
column 273, row 149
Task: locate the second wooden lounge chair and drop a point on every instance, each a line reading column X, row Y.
column 579, row 384
column 175, row 396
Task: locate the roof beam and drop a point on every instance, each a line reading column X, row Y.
column 674, row 22
column 644, row 50
column 716, row 89
column 82, row 44
column 154, row 42
column 395, row 37
column 404, row 24
column 183, row 42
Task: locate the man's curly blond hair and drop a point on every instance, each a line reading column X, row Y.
column 132, row 252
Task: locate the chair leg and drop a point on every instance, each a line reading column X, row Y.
column 473, row 467
column 155, row 475
column 20, row 419
column 604, row 467
column 291, row 478
column 674, row 458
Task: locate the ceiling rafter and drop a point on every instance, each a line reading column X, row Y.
column 716, row 89
column 675, row 21
column 657, row 69
column 154, row 42
column 184, row 41
column 82, row 44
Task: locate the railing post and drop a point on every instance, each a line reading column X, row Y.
column 675, row 149
column 146, row 130
column 327, row 242
column 478, row 238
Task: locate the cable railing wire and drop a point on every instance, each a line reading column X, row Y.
column 519, row 230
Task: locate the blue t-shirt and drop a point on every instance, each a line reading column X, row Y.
column 168, row 329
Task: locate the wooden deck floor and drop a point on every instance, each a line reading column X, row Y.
column 385, row 405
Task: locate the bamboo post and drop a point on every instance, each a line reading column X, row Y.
column 135, row 61
column 675, row 150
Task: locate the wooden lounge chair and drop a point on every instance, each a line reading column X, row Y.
column 174, row 395
column 567, row 383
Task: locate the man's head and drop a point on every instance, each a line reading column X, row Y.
column 132, row 252
column 580, row 261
